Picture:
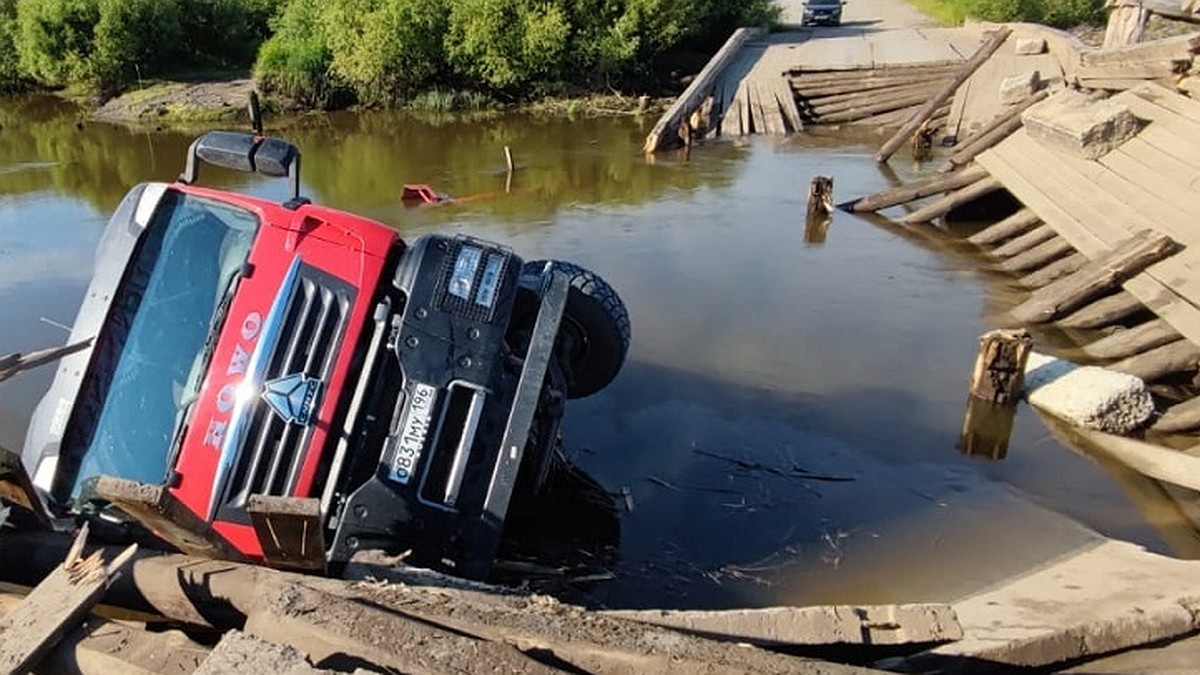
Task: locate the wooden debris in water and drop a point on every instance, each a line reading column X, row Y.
column 992, row 133
column 959, row 197
column 1024, row 242
column 907, row 193
column 947, row 90
column 820, row 196
column 1018, row 223
column 1043, row 254
column 1180, row 356
column 1096, row 278
column 995, row 388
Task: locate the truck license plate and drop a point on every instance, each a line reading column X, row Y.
column 413, row 433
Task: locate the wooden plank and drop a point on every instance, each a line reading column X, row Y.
column 985, row 50
column 156, row 508
column 828, row 625
column 289, row 530
column 1165, row 49
column 787, row 102
column 1126, row 260
column 55, row 606
column 699, row 88
column 1125, row 343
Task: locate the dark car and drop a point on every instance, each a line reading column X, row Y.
column 822, row 12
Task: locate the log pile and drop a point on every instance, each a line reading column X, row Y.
column 1168, row 61
column 880, row 96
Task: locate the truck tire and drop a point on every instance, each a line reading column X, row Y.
column 598, row 323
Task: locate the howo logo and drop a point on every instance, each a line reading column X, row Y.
column 293, row 397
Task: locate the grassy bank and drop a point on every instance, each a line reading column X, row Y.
column 1056, row 13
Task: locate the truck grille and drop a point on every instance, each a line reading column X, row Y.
column 272, row 452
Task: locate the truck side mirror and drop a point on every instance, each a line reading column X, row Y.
column 246, row 152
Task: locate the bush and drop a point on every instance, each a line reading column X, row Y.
column 385, row 49
column 295, row 60
column 507, row 43
column 223, row 33
column 54, row 39
column 133, row 38
column 10, row 74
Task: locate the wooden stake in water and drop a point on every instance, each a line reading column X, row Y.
column 996, row 384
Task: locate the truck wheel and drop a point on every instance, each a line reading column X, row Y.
column 597, row 322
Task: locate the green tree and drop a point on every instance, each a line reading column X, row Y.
column 134, row 38
column 55, row 39
column 507, row 43
column 10, row 74
column 295, row 60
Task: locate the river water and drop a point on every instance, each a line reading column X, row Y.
column 784, row 429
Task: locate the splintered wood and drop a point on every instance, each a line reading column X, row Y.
column 55, row 606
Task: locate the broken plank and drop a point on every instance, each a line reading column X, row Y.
column 1131, row 341
column 786, row 100
column 1105, row 311
column 1097, row 277
column 1180, row 356
column 101, row 646
column 1021, row 221
column 1179, row 47
column 289, row 531
column 55, row 606
column 827, row 625
column 155, row 507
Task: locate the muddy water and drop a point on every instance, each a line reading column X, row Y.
column 784, row 430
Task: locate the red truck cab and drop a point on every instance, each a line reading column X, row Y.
column 246, row 347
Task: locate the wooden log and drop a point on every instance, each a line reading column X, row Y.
column 869, row 95
column 820, row 196
column 869, row 78
column 1172, row 466
column 822, row 625
column 56, row 606
column 668, row 124
column 1126, row 25
column 895, row 118
column 1038, row 256
column 1021, row 221
column 955, row 199
column 819, row 92
column 1032, row 238
column 163, row 514
column 908, row 193
column 1128, row 258
column 981, row 55
column 999, row 371
column 1180, row 356
column 1054, row 271
column 1104, row 312
column 995, row 131
column 1179, row 417
column 847, row 112
column 1126, row 343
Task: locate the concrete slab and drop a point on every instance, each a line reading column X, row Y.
column 1016, row 88
column 1072, row 122
column 1087, row 396
column 1104, row 599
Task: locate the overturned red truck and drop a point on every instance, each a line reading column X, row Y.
column 242, row 347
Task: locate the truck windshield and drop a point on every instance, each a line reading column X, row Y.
column 150, row 353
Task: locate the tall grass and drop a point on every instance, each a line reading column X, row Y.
column 1057, row 13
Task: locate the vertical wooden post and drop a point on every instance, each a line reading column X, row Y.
column 820, row 196
column 995, row 389
column 1126, row 23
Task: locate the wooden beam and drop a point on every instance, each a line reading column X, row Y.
column 1131, row 341
column 1105, row 311
column 668, row 125
column 155, row 507
column 992, row 133
column 954, row 200
column 1180, row 356
column 1017, row 245
column 1179, row 417
column 1054, row 271
column 56, row 606
column 1178, row 47
column 1127, row 259
column 1021, row 221
column 981, row 55
column 289, row 531
column 1038, row 256
column 907, row 193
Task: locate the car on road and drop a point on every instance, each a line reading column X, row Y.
column 822, row 13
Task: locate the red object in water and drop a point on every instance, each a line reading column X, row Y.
column 421, row 193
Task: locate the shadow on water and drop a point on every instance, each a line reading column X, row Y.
column 784, row 430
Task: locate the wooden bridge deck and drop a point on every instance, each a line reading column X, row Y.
column 1149, row 182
